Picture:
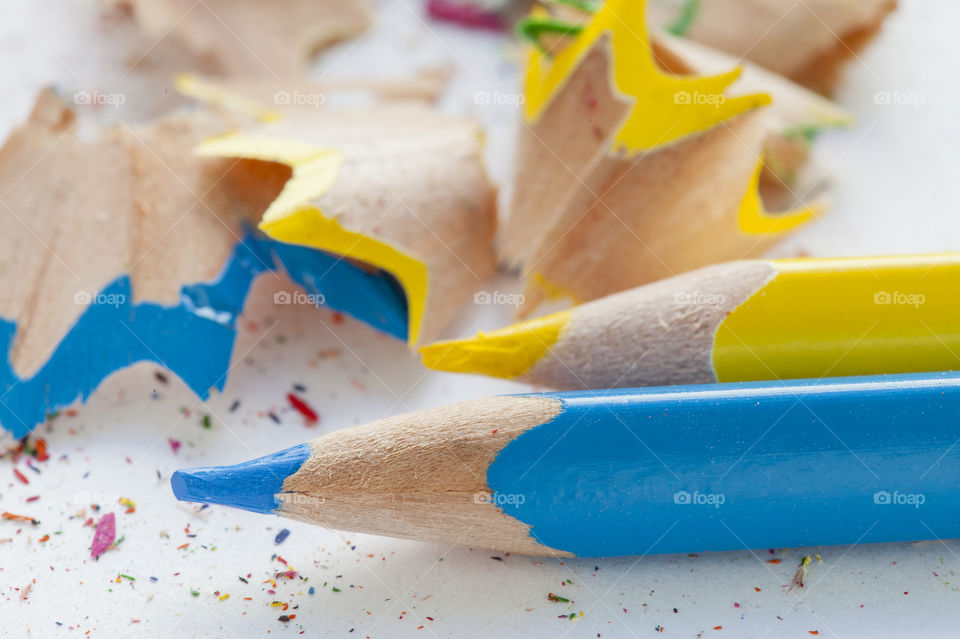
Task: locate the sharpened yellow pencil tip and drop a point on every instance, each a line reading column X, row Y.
column 508, row 352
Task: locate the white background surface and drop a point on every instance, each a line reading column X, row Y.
column 894, row 177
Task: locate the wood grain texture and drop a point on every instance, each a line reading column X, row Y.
column 661, row 214
column 808, row 42
column 794, row 110
column 415, row 181
column 420, row 476
column 247, row 37
column 557, row 148
column 587, row 221
column 78, row 214
column 659, row 334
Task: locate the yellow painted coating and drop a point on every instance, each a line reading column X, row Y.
column 292, row 218
column 854, row 316
column 753, row 219
column 508, row 352
column 665, row 108
column 193, row 87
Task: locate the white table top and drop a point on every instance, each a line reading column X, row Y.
column 895, row 180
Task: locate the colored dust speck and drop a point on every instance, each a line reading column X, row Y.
column 104, row 535
column 800, row 575
column 30, row 446
column 23, row 479
column 683, row 22
column 206, row 422
column 281, row 536
column 40, row 449
column 12, row 517
column 174, row 444
column 556, row 598
column 304, row 409
column 131, row 506
column 195, row 593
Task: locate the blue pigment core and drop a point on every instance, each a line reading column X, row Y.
column 837, row 461
column 252, row 485
column 193, row 339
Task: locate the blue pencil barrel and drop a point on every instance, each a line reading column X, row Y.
column 735, row 466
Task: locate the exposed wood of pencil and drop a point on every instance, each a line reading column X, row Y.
column 650, row 336
column 420, row 475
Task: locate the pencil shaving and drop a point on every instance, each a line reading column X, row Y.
column 627, row 177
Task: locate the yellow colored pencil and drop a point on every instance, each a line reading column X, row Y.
column 738, row 321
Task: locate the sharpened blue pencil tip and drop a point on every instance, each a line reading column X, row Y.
column 252, row 485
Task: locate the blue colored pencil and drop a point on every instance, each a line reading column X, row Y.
column 632, row 471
